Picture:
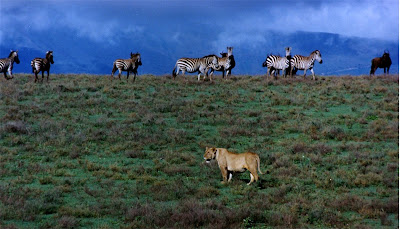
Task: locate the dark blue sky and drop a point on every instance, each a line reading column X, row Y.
column 107, row 23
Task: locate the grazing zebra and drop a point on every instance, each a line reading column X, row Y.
column 305, row 62
column 6, row 64
column 276, row 63
column 42, row 64
column 127, row 65
column 225, row 63
column 200, row 65
column 381, row 62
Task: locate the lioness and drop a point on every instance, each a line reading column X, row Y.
column 230, row 162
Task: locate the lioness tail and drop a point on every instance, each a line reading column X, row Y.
column 258, row 165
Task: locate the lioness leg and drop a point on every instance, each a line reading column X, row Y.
column 253, row 176
column 224, row 173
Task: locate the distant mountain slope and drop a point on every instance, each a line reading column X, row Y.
column 160, row 50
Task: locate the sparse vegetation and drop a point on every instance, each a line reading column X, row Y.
column 85, row 152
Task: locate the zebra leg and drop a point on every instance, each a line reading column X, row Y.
column 48, row 73
column 211, row 72
column 10, row 73
column 206, row 74
column 177, row 72
column 305, row 72
column 5, row 76
column 291, row 72
column 119, row 73
column 183, row 74
column 127, row 75
column 269, row 72
column 42, row 75
column 113, row 71
column 313, row 75
column 36, row 77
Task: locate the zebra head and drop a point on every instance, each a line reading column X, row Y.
column 223, row 54
column 14, row 55
column 230, row 49
column 49, row 56
column 288, row 50
column 317, row 56
column 137, row 58
column 264, row 64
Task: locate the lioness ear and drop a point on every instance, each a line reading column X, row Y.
column 206, row 148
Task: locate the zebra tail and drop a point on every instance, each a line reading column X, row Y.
column 173, row 72
column 33, row 68
column 114, row 68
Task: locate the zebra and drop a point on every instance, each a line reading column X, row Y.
column 225, row 63
column 6, row 64
column 41, row 65
column 200, row 65
column 127, row 65
column 305, row 62
column 275, row 63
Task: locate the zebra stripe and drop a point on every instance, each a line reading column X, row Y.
column 305, row 62
column 42, row 65
column 127, row 65
column 225, row 63
column 200, row 65
column 7, row 64
column 275, row 62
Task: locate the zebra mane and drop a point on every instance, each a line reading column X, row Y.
column 315, row 51
column 270, row 54
column 135, row 56
column 48, row 53
column 211, row 55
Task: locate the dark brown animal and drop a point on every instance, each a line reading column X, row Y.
column 381, row 62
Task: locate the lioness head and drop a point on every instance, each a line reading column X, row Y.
column 210, row 154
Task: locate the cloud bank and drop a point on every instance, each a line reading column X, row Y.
column 104, row 21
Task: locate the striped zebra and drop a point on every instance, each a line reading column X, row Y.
column 127, row 65
column 225, row 63
column 276, row 63
column 41, row 65
column 6, row 64
column 305, row 62
column 200, row 65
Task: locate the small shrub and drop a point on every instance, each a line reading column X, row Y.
column 18, row 127
column 68, row 222
column 333, row 133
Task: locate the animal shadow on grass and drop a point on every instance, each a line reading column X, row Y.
column 260, row 184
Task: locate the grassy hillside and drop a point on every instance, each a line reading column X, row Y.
column 85, row 152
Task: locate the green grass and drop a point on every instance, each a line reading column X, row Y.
column 85, row 152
